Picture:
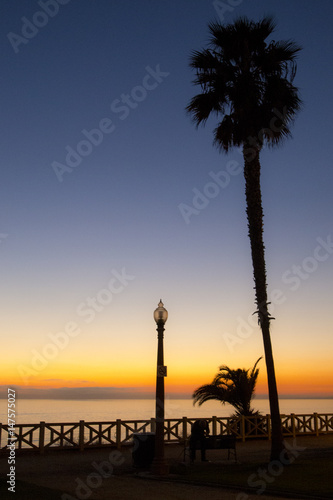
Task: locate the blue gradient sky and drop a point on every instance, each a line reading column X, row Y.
column 118, row 210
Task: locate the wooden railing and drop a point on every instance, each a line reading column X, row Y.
column 80, row 435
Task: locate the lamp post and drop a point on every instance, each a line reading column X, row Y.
column 159, row 465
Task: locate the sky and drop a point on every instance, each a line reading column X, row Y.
column 111, row 200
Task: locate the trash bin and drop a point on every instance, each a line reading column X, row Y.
column 143, row 448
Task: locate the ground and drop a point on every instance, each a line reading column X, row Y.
column 103, row 474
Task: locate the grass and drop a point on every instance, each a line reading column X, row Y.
column 305, row 477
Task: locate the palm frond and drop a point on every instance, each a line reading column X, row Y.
column 202, row 105
column 235, row 387
column 209, row 392
column 243, row 79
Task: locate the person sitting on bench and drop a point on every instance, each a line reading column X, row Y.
column 199, row 432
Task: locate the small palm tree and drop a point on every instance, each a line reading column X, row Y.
column 235, row 387
column 248, row 84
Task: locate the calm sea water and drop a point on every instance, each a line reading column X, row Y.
column 30, row 411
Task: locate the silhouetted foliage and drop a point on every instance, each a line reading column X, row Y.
column 235, row 387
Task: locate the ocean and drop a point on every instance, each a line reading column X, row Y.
column 31, row 411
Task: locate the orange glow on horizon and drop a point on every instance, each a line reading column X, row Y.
column 182, row 380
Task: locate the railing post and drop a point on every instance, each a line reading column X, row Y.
column 166, row 430
column 269, row 427
column 184, row 428
column 20, row 437
column 118, row 433
column 214, row 425
column 243, row 428
column 228, row 426
column 41, row 437
column 293, row 426
column 81, row 435
column 153, row 424
column 316, row 423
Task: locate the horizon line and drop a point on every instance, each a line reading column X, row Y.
column 96, row 393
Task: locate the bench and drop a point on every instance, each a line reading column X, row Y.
column 215, row 442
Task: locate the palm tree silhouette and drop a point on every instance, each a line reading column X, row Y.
column 235, row 387
column 249, row 84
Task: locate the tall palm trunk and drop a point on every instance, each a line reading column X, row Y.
column 255, row 224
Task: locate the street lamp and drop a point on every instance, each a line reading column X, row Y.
column 159, row 465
